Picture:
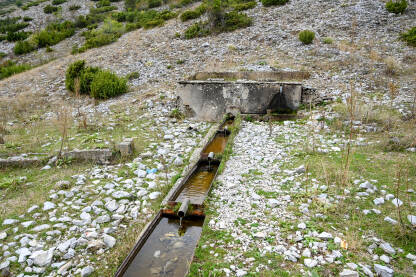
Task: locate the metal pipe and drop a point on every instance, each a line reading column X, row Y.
column 184, row 208
column 211, row 156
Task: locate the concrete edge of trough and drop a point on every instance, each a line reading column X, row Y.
column 193, row 160
column 190, row 82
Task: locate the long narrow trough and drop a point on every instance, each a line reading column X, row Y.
column 166, row 247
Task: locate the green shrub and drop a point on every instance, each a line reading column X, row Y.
column 409, row 36
column 23, row 47
column 154, row 3
column 244, row 6
column 109, row 32
column 10, row 24
column 86, row 78
column 103, row 3
column 133, row 75
column 10, row 68
column 3, row 38
column 50, row 9
column 107, row 84
column 130, row 4
column 192, row 14
column 17, row 36
column 235, row 20
column 306, row 36
column 268, row 3
column 74, row 71
column 196, row 30
column 396, row 6
column 58, row 2
column 74, row 7
column 54, row 33
column 2, row 54
column 102, row 10
column 327, row 40
column 27, row 19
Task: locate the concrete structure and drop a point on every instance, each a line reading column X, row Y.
column 126, row 147
column 101, row 156
column 19, row 161
column 210, row 100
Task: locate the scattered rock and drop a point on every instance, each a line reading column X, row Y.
column 383, row 271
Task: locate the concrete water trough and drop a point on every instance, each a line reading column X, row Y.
column 208, row 96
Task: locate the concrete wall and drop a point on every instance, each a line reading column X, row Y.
column 210, row 100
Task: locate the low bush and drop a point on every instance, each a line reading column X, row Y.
column 103, row 3
column 109, row 32
column 193, row 14
column 244, row 6
column 17, row 36
column 54, row 33
column 396, row 6
column 50, row 9
column 327, row 40
column 94, row 81
column 268, row 3
column 106, row 84
column 58, row 2
column 409, row 36
column 306, row 36
column 74, row 7
column 10, row 24
column 235, row 20
column 104, row 9
column 85, row 21
column 23, row 47
column 198, row 29
column 10, row 68
column 154, row 3
column 27, row 19
column 2, row 54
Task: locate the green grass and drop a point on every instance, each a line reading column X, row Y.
column 10, row 68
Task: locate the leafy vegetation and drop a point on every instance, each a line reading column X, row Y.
column 11, row 24
column 268, row 3
column 94, row 81
column 74, row 7
column 23, row 47
column 58, row 2
column 10, row 68
column 306, row 36
column 219, row 20
column 409, row 36
column 396, row 7
column 50, row 9
column 192, row 14
column 16, row 36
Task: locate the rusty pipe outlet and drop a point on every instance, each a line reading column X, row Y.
column 184, row 208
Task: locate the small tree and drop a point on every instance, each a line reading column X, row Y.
column 216, row 14
column 63, row 122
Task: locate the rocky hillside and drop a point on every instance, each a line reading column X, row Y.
column 318, row 196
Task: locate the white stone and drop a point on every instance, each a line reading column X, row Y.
column 240, row 273
column 310, row 263
column 325, row 236
column 109, row 240
column 4, row 265
column 390, row 220
column 412, row 219
column 120, row 194
column 31, row 209
column 273, row 203
column 378, row 201
column 87, row 271
column 27, row 223
column 178, row 161
column 348, row 273
column 388, row 248
column 306, row 253
column 111, row 205
column 64, row 246
column 383, row 271
column 134, row 212
column 3, row 235
column 385, row 259
column 48, row 206
column 397, row 202
column 42, row 258
column 411, row 257
column 103, row 219
column 10, row 221
column 302, row 225
column 41, row 227
column 154, row 195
